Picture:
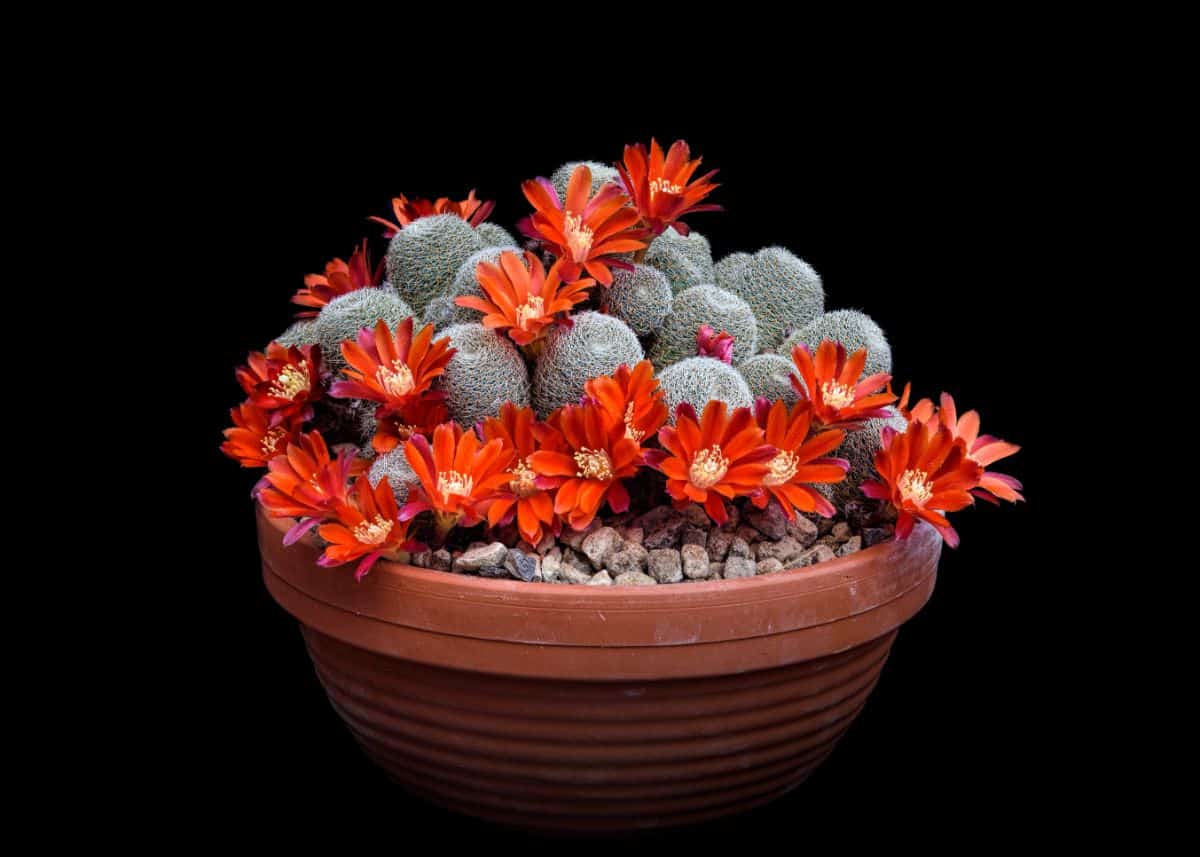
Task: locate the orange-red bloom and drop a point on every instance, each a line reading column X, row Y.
column 924, row 473
column 460, row 478
column 717, row 456
column 595, row 457
column 585, row 234
column 524, row 301
column 395, row 425
column 283, row 381
column 799, row 461
column 832, row 385
column 982, row 449
column 368, row 527
column 253, row 440
column 631, row 397
column 306, row 483
column 340, row 278
column 662, row 187
column 528, row 496
column 405, row 210
column 392, row 369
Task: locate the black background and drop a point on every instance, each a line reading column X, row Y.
column 931, row 217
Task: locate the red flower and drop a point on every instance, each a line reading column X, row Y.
column 406, row 210
column 596, row 455
column 392, row 369
column 631, row 397
column 305, row 483
column 528, row 496
column 253, row 440
column 709, row 343
column 368, row 527
column 924, row 473
column 524, row 301
column 283, row 381
column 717, row 456
column 585, row 234
column 799, row 461
column 395, row 425
column 340, row 278
column 460, row 478
column 831, row 384
column 662, row 188
column 982, row 449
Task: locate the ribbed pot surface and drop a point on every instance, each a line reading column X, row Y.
column 577, row 709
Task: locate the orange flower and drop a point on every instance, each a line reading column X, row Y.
column 662, row 187
column 583, row 233
column 717, row 456
column 472, row 210
column 392, row 369
column 460, row 478
column 394, row 425
column 283, row 381
column 631, row 397
column 799, row 460
column 982, row 449
column 832, row 385
column 524, row 301
column 596, row 455
column 305, row 483
column 528, row 495
column 924, row 473
column 254, row 440
column 340, row 278
column 369, row 527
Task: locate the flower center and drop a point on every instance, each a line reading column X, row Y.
column 837, row 395
column 372, row 532
column 396, row 381
column 453, row 482
column 579, row 237
column 630, row 432
column 522, row 481
column 662, row 185
column 530, row 310
column 915, row 487
column 708, row 467
column 593, row 464
column 781, row 469
column 270, row 441
column 291, row 381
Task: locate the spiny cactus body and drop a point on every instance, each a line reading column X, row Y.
column 443, row 311
column 393, row 466
column 859, row 449
column 782, row 289
column 486, row 372
column 425, row 255
column 494, row 235
column 302, row 332
column 595, row 345
column 641, row 298
column 343, row 317
column 697, row 380
column 687, row 261
column 602, row 174
column 768, row 376
column 854, row 330
column 701, row 305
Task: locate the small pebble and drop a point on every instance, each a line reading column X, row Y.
column 718, row 544
column 872, row 536
column 664, row 565
column 600, row 578
column 521, row 565
column 693, row 536
column 695, row 562
column 766, row 566
column 739, row 566
column 840, row 531
column 739, row 547
column 771, row 521
column 634, row 578
column 626, row 560
column 599, row 545
column 785, row 550
column 478, row 557
column 715, row 570
column 852, row 545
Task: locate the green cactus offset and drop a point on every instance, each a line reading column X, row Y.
column 424, row 257
column 782, row 289
column 698, row 306
column 854, row 330
column 768, row 376
column 697, row 380
column 343, row 317
column 641, row 298
column 596, row 344
column 486, row 372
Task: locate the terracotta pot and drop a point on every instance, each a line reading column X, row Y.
column 585, row 709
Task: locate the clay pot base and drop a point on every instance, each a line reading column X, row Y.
column 600, row 710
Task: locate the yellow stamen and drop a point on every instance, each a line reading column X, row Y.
column 398, row 380
column 452, row 482
column 270, row 440
column 530, row 310
column 915, row 487
column 522, row 481
column 579, row 237
column 837, row 395
column 781, row 469
column 291, row 381
column 630, row 432
column 661, row 185
column 593, row 464
column 708, row 467
column 373, row 532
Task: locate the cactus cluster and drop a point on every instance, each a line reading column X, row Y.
column 854, row 330
column 442, row 311
column 769, row 376
column 594, row 345
column 486, row 372
column 782, row 289
column 697, row 380
column 495, row 236
column 686, row 260
column 302, row 332
column 423, row 257
column 393, row 466
column 641, row 298
column 343, row 317
column 698, row 306
column 602, row 174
